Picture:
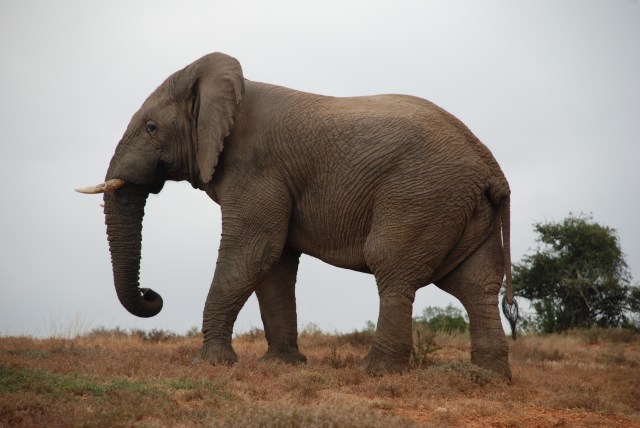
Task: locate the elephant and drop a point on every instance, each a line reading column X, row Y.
column 390, row 185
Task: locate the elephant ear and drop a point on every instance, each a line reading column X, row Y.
column 219, row 86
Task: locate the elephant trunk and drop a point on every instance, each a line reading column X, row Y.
column 124, row 210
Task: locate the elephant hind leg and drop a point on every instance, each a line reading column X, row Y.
column 393, row 342
column 403, row 258
column 476, row 283
column 277, row 299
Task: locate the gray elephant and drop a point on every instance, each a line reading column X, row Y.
column 390, row 185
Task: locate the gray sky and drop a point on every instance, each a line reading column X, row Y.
column 551, row 87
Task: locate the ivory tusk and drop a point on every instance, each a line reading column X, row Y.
column 108, row 186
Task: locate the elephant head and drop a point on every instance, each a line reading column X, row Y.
column 177, row 134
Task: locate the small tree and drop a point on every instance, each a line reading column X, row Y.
column 577, row 277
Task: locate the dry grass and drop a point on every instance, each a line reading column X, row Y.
column 581, row 379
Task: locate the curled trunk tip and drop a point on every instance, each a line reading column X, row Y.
column 145, row 303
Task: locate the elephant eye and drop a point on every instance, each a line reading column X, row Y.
column 152, row 128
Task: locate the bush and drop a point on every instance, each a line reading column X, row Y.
column 155, row 335
column 423, row 345
column 362, row 337
column 447, row 320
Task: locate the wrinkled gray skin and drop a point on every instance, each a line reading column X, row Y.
column 391, row 185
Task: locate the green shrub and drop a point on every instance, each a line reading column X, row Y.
column 423, row 345
column 447, row 320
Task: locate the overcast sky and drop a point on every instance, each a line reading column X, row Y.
column 551, row 87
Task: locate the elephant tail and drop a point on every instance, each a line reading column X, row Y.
column 499, row 194
column 505, row 214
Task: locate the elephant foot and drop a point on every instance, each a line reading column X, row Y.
column 496, row 365
column 378, row 364
column 216, row 354
column 288, row 356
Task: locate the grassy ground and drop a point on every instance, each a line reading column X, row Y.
column 589, row 378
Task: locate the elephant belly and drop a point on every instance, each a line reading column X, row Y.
column 330, row 240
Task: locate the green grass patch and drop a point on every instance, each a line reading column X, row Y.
column 14, row 380
column 202, row 387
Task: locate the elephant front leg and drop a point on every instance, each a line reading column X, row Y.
column 252, row 241
column 228, row 293
column 239, row 270
column 277, row 299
